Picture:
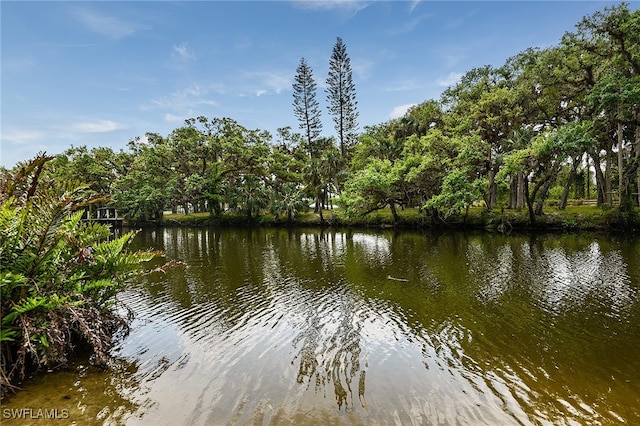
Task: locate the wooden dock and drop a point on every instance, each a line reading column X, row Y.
column 107, row 216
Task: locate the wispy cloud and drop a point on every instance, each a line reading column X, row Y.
column 362, row 67
column 450, row 79
column 263, row 82
column 451, row 55
column 183, row 102
column 400, row 110
column 173, row 118
column 459, row 20
column 19, row 137
column 403, row 85
column 53, row 135
column 48, row 136
column 104, row 24
column 183, row 53
column 409, row 25
column 351, row 5
column 98, row 126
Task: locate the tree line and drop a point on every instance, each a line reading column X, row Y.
column 554, row 123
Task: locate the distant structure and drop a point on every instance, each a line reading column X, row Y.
column 105, row 215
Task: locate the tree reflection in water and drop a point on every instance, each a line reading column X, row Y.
column 330, row 350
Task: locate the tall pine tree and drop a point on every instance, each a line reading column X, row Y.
column 341, row 95
column 305, row 107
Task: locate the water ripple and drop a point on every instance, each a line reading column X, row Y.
column 305, row 328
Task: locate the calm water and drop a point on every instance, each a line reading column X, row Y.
column 275, row 326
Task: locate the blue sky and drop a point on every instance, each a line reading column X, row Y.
column 102, row 73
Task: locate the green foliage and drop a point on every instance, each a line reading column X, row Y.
column 250, row 196
column 59, row 275
column 458, row 193
column 289, row 202
column 369, row 189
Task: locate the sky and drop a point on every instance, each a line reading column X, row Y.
column 102, row 73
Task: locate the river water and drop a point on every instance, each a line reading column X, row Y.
column 304, row 326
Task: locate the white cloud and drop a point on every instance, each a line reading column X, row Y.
column 450, row 80
column 362, row 68
column 400, row 110
column 344, row 9
column 19, row 137
column 183, row 53
column 19, row 144
column 106, row 25
column 172, row 118
column 100, row 126
column 277, row 82
column 349, row 5
column 71, row 130
column 144, row 139
column 186, row 98
column 264, row 82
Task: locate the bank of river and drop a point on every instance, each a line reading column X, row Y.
column 344, row 326
column 573, row 218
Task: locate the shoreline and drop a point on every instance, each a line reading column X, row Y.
column 576, row 218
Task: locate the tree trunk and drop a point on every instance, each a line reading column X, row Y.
column 394, row 212
column 620, row 159
column 567, row 185
column 521, row 195
column 319, row 203
column 608, row 187
column 637, row 144
column 588, row 179
column 513, row 192
column 600, row 179
column 532, row 216
column 543, row 196
column 492, row 196
column 324, row 197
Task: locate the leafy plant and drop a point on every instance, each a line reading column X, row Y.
column 59, row 274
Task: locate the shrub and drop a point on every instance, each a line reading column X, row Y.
column 59, row 274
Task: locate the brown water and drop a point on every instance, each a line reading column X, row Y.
column 275, row 326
